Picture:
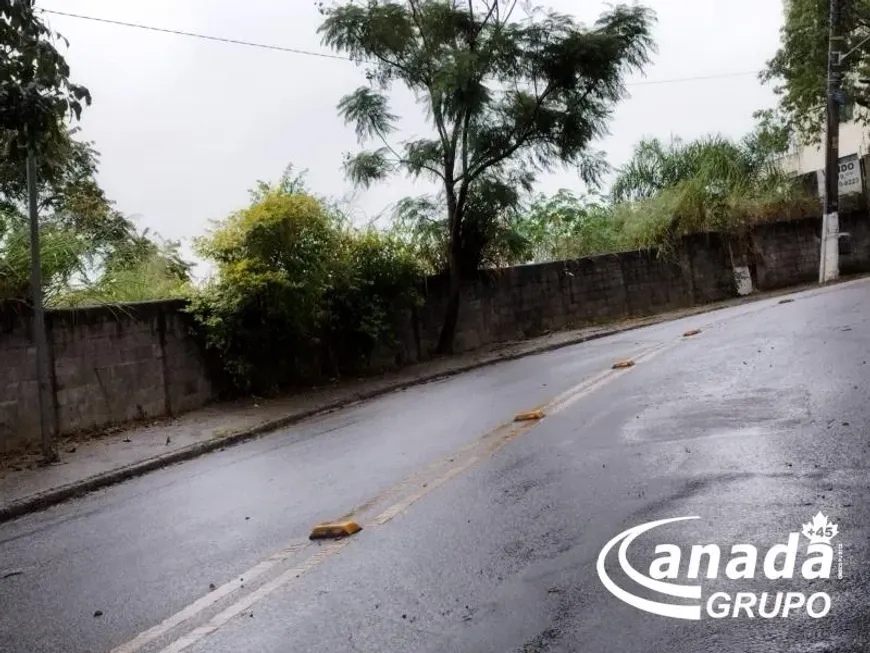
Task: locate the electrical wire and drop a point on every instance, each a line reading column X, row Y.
column 194, row 35
column 310, row 53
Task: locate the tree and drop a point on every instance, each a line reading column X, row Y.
column 505, row 96
column 36, row 96
column 488, row 235
column 85, row 241
column 799, row 68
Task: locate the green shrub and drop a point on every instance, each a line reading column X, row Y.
column 298, row 295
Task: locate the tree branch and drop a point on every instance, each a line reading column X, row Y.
column 521, row 140
column 507, row 16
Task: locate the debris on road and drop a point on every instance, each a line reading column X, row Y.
column 98, row 613
column 621, row 364
column 787, row 300
column 529, row 415
column 691, row 332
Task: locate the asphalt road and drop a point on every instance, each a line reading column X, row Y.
column 484, row 535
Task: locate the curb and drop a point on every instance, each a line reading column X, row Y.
column 54, row 496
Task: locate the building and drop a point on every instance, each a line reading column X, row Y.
column 854, row 141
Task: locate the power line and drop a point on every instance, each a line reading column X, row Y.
column 694, row 79
column 323, row 55
column 205, row 37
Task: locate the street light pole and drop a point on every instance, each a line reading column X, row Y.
column 829, row 259
column 46, row 418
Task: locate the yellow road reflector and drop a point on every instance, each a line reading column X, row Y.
column 334, row 531
column 691, row 332
column 620, row 364
column 529, row 416
column 787, row 300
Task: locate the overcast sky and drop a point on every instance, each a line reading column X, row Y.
column 186, row 126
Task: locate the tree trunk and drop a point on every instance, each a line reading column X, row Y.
column 451, row 315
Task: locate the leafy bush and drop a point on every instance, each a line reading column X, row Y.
column 298, row 294
column 567, row 226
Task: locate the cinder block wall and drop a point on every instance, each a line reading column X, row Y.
column 787, row 253
column 116, row 364
column 110, row 365
column 524, row 301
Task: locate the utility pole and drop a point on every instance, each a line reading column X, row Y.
column 829, row 259
column 46, row 412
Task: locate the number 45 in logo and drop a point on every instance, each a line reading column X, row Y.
column 820, row 529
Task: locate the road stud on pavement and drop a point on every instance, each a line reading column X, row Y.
column 334, row 531
column 529, row 415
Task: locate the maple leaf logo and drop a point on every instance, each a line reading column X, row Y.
column 820, row 530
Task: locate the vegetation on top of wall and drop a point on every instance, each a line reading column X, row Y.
column 299, row 295
column 668, row 190
column 91, row 253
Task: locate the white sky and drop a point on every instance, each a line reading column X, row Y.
column 186, row 126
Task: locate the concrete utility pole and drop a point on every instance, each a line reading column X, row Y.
column 46, row 416
column 829, row 260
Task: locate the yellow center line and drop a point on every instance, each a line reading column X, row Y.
column 429, row 479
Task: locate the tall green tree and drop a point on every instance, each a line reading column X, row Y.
column 798, row 70
column 36, row 94
column 83, row 237
column 36, row 99
column 506, row 94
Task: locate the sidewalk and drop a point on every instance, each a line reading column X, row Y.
column 91, row 462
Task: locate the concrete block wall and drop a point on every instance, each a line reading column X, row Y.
column 116, row 364
column 110, row 365
column 527, row 300
column 787, row 253
column 19, row 392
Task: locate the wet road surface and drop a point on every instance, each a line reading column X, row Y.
column 484, row 536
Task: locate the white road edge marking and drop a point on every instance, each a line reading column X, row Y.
column 243, row 604
column 146, row 637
